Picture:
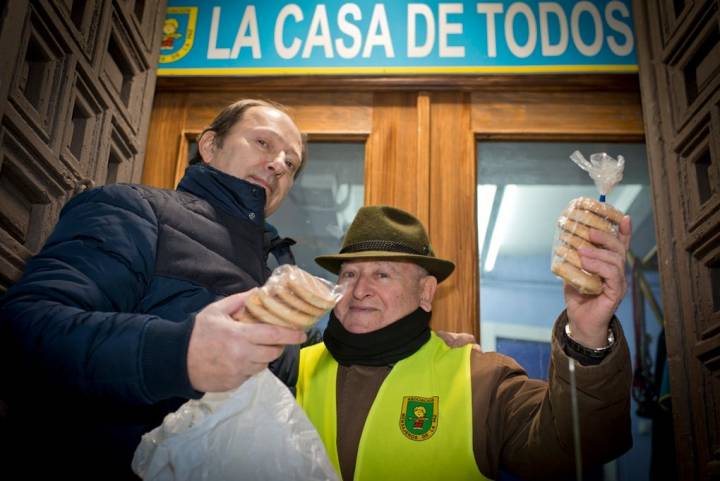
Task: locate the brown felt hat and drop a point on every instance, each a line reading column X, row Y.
column 387, row 233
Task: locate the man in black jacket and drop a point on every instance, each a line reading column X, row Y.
column 116, row 321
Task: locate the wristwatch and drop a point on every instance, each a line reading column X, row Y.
column 596, row 353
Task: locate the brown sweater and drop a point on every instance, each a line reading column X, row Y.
column 521, row 424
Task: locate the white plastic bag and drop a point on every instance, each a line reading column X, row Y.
column 256, row 432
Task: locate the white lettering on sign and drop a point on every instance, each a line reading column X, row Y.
column 413, row 11
column 552, row 13
column 213, row 51
column 446, row 28
column 320, row 35
column 350, row 30
column 295, row 12
column 247, row 36
column 522, row 51
column 546, row 10
column 589, row 50
column 620, row 27
column 521, row 30
column 379, row 33
column 490, row 9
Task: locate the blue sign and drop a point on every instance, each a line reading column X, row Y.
column 253, row 37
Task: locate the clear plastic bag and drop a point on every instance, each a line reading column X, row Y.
column 292, row 298
column 604, row 170
column 255, row 432
column 582, row 214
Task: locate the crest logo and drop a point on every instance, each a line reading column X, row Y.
column 419, row 417
column 178, row 33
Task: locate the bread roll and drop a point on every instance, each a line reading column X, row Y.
column 591, row 220
column 573, row 240
column 584, row 282
column 574, row 228
column 606, row 211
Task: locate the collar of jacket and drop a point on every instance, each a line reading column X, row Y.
column 231, row 194
column 279, row 246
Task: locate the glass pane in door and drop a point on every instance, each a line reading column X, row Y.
column 324, row 200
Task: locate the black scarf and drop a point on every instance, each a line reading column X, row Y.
column 385, row 346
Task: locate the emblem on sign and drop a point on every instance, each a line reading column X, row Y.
column 419, row 417
column 178, row 33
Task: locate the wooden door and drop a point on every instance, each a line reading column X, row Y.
column 76, row 86
column 679, row 54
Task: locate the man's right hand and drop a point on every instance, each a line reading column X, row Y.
column 223, row 353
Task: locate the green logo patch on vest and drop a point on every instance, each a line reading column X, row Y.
column 419, row 417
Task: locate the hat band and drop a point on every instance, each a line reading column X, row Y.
column 382, row 245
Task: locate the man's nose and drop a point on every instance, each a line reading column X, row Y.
column 361, row 288
column 277, row 164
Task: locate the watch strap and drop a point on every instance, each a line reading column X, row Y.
column 589, row 352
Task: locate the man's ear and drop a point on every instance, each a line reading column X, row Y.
column 428, row 286
column 206, row 146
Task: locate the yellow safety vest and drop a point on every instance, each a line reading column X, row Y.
column 420, row 424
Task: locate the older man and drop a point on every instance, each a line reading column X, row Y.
column 391, row 401
column 114, row 323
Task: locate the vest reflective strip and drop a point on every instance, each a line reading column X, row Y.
column 384, row 451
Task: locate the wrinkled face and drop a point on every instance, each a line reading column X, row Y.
column 264, row 148
column 379, row 293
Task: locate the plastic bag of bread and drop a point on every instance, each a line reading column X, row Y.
column 257, row 431
column 573, row 232
column 582, row 214
column 291, row 298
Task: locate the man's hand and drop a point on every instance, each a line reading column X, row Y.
column 458, row 339
column 590, row 316
column 223, row 353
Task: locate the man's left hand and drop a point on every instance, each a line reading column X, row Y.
column 458, row 339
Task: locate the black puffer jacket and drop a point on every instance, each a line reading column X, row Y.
column 94, row 336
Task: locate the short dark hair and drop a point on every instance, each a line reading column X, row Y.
column 231, row 115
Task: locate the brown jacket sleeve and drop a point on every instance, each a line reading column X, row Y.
column 525, row 425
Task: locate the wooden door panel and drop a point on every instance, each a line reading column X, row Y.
column 453, row 224
column 392, row 152
column 315, row 113
column 567, row 114
column 167, row 125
